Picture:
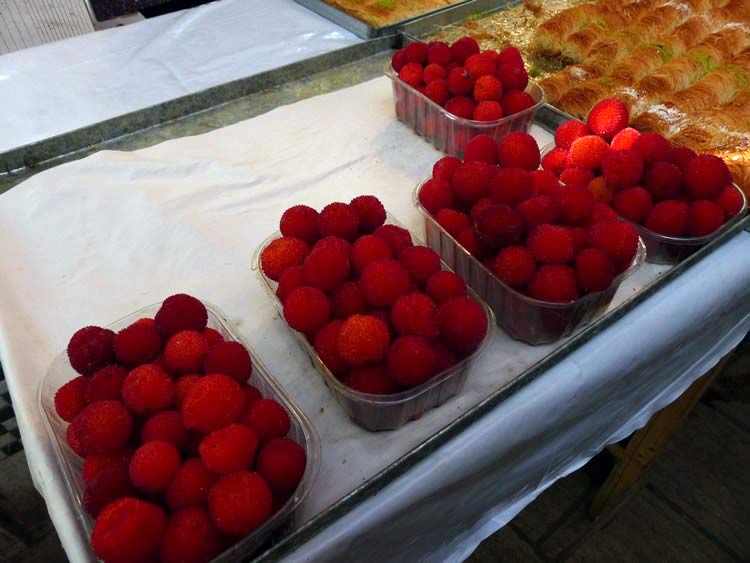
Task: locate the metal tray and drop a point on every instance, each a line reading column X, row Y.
column 241, row 99
column 359, row 27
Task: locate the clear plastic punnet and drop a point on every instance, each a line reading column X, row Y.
column 450, row 133
column 663, row 249
column 386, row 412
column 522, row 317
column 71, row 464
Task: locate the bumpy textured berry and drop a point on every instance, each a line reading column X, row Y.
column 148, row 389
column 103, row 427
column 138, row 343
column 307, row 309
column 281, row 462
column 239, row 503
column 411, row 360
column 369, row 211
column 594, row 270
column 229, row 449
column 128, row 530
column 300, row 222
column 190, row 537
column 551, row 244
column 421, row 262
column 154, row 465
column 514, row 266
column 463, row 324
column 339, row 220
column 384, row 281
column 90, row 349
column 213, row 402
column 363, row 339
column 190, row 485
column 229, row 358
column 415, row 314
column 70, row 399
column 268, row 419
column 554, row 283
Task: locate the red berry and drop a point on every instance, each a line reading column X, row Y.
column 384, row 281
column 397, row 238
column 551, row 244
column 594, row 270
column 463, row 48
column 70, row 398
column 307, row 309
column 510, row 55
column 663, row 180
column 569, row 132
column 372, row 379
column 421, row 262
column 680, row 156
column 229, row 358
column 411, row 74
column 444, row 168
column 651, row 146
column 438, row 53
column 514, row 266
column 537, row 211
column 471, row 181
column 190, row 485
column 414, row 314
column 513, row 76
column 239, row 503
column 575, row 175
column 166, row 426
column 268, row 419
column 95, row 464
column 185, row 351
column 463, row 324
column 369, row 211
column 280, row 254
column 543, row 182
column 634, row 203
column 182, row 387
column 468, row 239
column 433, row 72
column 461, row 106
column 617, row 239
column 185, row 312
column 478, row 207
column 229, row 449
column 348, row 300
column 443, row 285
column 300, row 222
column 438, row 91
column 213, row 402
column 452, row 221
column 411, row 360
column 622, row 168
column 103, row 427
column 498, row 225
column 138, row 343
column 327, row 346
column 459, row 82
column 291, row 279
column 482, row 148
column 128, row 530
column 106, row 384
column 588, row 151
column 519, row 150
column 479, row 66
column 731, row 201
column 281, row 462
column 190, row 537
column 608, row 117
column 516, row 101
column 624, row 139
column 339, row 220
column 416, row 52
column 554, row 283
column 602, row 213
column 488, row 88
column 148, row 389
column 110, row 484
column 399, row 60
column 669, row 217
column 363, row 339
column 576, row 203
column 705, row 217
column 706, row 176
column 90, row 349
column 153, row 466
column 555, row 160
column 488, row 110
column 511, row 186
column 434, row 195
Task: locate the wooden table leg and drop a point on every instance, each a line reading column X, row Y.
column 633, row 461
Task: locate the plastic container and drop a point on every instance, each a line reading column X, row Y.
column 447, row 132
column 386, row 412
column 663, row 249
column 522, row 317
column 71, row 465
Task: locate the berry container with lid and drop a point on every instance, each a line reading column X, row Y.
column 522, row 317
column 71, row 465
column 450, row 133
column 664, row 249
column 386, row 412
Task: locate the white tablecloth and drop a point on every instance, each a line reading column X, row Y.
column 62, row 86
column 93, row 240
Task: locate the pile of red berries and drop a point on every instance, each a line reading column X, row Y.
column 379, row 311
column 551, row 242
column 670, row 190
column 484, row 86
column 182, row 457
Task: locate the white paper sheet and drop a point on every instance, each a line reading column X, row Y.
column 62, row 86
column 93, row 240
